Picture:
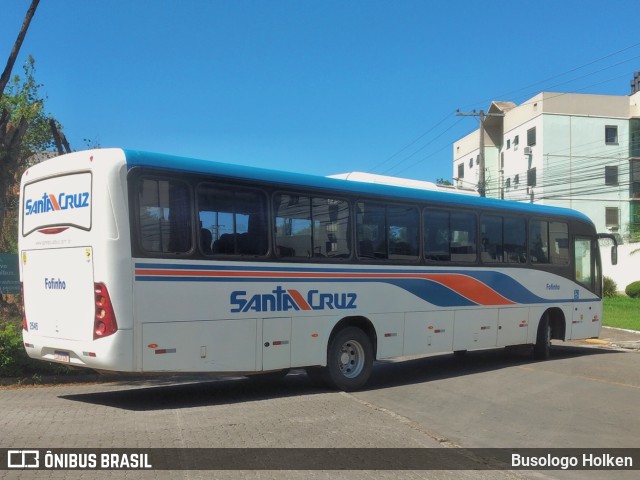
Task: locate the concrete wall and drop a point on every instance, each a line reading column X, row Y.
column 628, row 268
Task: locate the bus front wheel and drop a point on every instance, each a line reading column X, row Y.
column 349, row 360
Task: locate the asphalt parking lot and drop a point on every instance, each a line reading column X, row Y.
column 583, row 397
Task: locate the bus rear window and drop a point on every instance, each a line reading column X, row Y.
column 164, row 216
column 57, row 202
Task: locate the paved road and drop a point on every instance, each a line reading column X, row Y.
column 587, row 396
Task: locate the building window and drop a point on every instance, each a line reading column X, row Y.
column 531, row 136
column 508, row 144
column 634, row 168
column 471, row 162
column 611, row 175
column 531, row 177
column 461, row 170
column 516, row 141
column 611, row 135
column 612, row 215
column 516, row 180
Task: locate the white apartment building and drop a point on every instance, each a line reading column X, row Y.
column 571, row 150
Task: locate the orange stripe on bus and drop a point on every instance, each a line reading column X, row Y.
column 54, row 202
column 299, row 299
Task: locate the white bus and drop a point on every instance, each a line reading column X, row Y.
column 148, row 263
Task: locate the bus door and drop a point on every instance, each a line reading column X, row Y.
column 587, row 310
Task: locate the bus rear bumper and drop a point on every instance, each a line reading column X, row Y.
column 113, row 353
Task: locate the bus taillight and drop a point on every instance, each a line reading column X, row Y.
column 105, row 319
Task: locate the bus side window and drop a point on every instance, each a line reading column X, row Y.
column 504, row 239
column 371, row 230
column 436, row 235
column 450, row 236
column 463, row 237
column 538, row 241
column 549, row 242
column 311, row 227
column 235, row 218
column 164, row 216
column 404, row 232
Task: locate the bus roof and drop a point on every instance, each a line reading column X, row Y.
column 173, row 163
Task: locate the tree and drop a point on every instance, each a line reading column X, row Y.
column 24, row 130
column 443, row 181
column 6, row 74
column 18, row 112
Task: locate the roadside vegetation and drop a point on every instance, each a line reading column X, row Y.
column 14, row 361
column 621, row 311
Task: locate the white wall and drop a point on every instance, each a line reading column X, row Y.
column 628, row 268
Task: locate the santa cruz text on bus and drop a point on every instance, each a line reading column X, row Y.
column 49, row 202
column 282, row 300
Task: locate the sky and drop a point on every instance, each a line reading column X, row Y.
column 319, row 87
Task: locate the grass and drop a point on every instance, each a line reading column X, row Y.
column 622, row 312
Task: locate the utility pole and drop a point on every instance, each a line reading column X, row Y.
column 482, row 184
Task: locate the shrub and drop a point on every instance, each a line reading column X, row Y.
column 14, row 361
column 633, row 289
column 13, row 358
column 609, row 287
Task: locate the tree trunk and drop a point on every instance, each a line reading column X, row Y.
column 4, row 79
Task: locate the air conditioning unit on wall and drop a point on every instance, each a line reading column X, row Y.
column 528, row 150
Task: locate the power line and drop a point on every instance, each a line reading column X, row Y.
column 422, row 135
column 433, row 153
column 425, row 135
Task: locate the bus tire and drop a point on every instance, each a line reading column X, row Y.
column 541, row 349
column 349, row 360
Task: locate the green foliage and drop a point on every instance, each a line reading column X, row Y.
column 13, row 358
column 22, row 100
column 633, row 289
column 26, row 130
column 609, row 287
column 14, row 361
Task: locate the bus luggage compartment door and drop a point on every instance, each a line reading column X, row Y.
column 59, row 292
column 276, row 343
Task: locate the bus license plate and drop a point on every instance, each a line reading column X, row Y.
column 61, row 356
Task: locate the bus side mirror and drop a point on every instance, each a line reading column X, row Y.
column 614, row 247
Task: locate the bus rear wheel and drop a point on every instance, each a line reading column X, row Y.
column 541, row 350
column 349, row 360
